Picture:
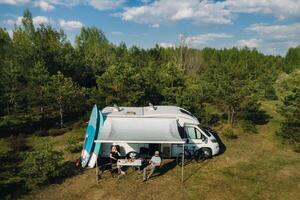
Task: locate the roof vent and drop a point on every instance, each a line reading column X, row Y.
column 117, row 108
column 152, row 107
column 130, row 113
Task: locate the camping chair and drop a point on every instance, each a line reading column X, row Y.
column 144, row 153
column 157, row 170
column 112, row 168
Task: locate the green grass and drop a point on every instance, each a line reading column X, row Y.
column 255, row 166
column 249, row 169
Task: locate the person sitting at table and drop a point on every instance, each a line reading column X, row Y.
column 154, row 163
column 114, row 156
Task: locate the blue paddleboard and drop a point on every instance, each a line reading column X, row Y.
column 97, row 147
column 91, row 131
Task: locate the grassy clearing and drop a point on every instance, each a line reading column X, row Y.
column 247, row 170
column 255, row 166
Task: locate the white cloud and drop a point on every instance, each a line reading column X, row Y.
column 166, row 45
column 67, row 3
column 68, row 25
column 204, row 38
column 251, row 43
column 19, row 21
column 10, row 22
column 45, row 6
column 14, row 2
column 170, row 11
column 277, row 32
column 106, row 4
column 10, row 33
column 154, row 25
column 40, row 20
column 36, row 20
column 207, row 11
column 281, row 9
column 276, row 39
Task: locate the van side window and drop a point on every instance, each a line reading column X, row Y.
column 190, row 132
column 181, row 132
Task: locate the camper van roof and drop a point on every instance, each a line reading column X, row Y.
column 145, row 111
column 150, row 111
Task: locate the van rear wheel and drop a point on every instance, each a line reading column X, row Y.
column 179, row 159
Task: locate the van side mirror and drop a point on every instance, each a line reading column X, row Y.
column 187, row 141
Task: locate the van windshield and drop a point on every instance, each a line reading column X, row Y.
column 206, row 131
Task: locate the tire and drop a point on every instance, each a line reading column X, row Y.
column 132, row 154
column 199, row 156
column 207, row 153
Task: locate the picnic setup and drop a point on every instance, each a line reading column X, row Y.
column 118, row 138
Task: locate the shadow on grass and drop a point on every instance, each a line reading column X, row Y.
column 11, row 184
column 69, row 170
column 164, row 169
column 259, row 117
column 13, row 190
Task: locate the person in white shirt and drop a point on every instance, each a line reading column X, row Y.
column 153, row 164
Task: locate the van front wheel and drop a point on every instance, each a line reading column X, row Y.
column 207, row 153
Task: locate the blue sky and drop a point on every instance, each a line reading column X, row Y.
column 271, row 26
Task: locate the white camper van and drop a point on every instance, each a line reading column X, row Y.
column 151, row 124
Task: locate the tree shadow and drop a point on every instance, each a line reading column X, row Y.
column 69, row 169
column 260, row 117
column 13, row 190
column 12, row 186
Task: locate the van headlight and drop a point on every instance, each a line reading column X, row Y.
column 213, row 140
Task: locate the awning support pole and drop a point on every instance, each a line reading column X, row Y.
column 182, row 163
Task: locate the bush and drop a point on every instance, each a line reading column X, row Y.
column 290, row 110
column 41, row 164
column 229, row 134
column 213, row 119
column 73, row 145
column 248, row 126
column 270, row 93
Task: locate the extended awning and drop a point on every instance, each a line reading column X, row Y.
column 140, row 130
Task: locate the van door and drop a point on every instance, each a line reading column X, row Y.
column 194, row 137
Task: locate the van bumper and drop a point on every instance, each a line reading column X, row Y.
column 215, row 149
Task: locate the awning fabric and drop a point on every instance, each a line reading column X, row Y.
column 140, row 130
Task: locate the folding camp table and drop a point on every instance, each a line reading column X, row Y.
column 123, row 162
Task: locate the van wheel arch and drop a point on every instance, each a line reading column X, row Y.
column 207, row 152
